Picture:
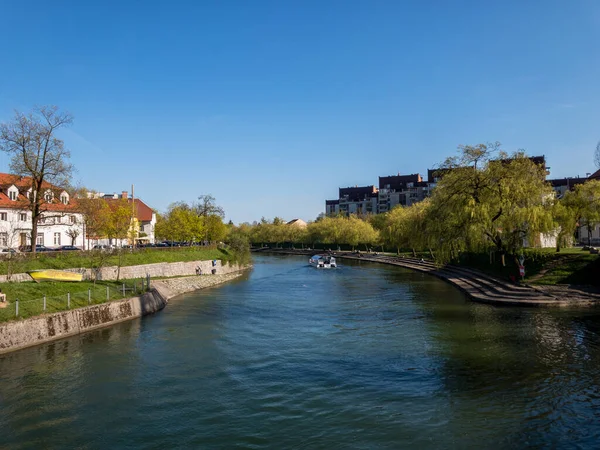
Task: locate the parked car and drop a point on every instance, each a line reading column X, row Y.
column 38, row 248
column 67, row 248
column 9, row 250
column 104, row 248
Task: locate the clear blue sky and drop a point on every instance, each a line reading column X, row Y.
column 272, row 105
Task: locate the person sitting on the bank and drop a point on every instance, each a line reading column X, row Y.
column 2, row 296
column 198, row 271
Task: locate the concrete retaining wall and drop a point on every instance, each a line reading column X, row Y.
column 154, row 270
column 37, row 330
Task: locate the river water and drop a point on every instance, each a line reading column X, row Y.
column 365, row 356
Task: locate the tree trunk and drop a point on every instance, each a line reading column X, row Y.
column 34, row 228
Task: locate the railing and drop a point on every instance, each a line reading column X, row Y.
column 99, row 293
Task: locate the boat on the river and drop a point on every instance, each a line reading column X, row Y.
column 322, row 262
column 54, row 275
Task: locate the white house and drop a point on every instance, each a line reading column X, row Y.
column 60, row 223
column 145, row 218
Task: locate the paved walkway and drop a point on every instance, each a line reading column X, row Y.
column 479, row 286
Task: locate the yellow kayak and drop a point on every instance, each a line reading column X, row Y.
column 54, row 275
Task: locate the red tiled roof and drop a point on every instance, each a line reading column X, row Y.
column 142, row 211
column 23, row 183
column 22, row 202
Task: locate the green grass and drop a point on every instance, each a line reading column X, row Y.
column 542, row 266
column 65, row 260
column 85, row 293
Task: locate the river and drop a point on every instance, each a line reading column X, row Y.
column 288, row 356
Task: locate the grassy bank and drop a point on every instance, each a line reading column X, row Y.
column 543, row 266
column 61, row 296
column 65, row 260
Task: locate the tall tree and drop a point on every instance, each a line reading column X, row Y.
column 597, row 155
column 583, row 205
column 36, row 152
column 119, row 220
column 487, row 198
column 96, row 216
column 207, row 206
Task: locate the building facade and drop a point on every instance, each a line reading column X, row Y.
column 60, row 222
column 143, row 223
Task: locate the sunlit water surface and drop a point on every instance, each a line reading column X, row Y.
column 365, row 356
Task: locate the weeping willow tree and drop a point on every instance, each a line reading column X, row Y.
column 407, row 227
column 342, row 230
column 580, row 207
column 489, row 199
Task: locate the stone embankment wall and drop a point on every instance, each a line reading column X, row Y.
column 172, row 287
column 49, row 327
column 154, row 270
column 38, row 330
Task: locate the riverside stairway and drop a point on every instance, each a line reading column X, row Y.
column 479, row 286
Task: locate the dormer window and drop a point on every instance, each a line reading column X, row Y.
column 12, row 195
column 48, row 196
column 64, row 198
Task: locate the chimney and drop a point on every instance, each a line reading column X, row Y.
column 124, row 194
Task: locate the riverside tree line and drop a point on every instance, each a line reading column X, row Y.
column 486, row 200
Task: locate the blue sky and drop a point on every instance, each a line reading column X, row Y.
column 270, row 106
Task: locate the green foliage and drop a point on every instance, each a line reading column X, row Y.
column 66, row 260
column 484, row 200
column 239, row 245
column 580, row 207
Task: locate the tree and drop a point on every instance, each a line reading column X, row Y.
column 583, row 206
column 181, row 223
column 96, row 215
column 38, row 154
column 73, row 233
column 214, row 228
column 597, row 155
column 483, row 199
column 119, row 220
column 207, row 207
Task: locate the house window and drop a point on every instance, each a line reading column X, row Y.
column 23, row 217
column 4, row 239
column 12, row 195
column 64, row 199
column 3, row 216
column 40, row 239
column 72, row 219
column 56, row 238
column 48, row 196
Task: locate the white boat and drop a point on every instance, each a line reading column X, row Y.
column 323, row 262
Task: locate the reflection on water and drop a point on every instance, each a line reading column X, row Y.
column 366, row 356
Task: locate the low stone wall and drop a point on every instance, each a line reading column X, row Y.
column 36, row 330
column 154, row 270
column 172, row 287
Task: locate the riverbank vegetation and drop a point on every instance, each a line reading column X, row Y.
column 487, row 206
column 24, row 262
column 61, row 296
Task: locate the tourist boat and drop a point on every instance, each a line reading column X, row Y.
column 322, row 262
column 54, row 275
